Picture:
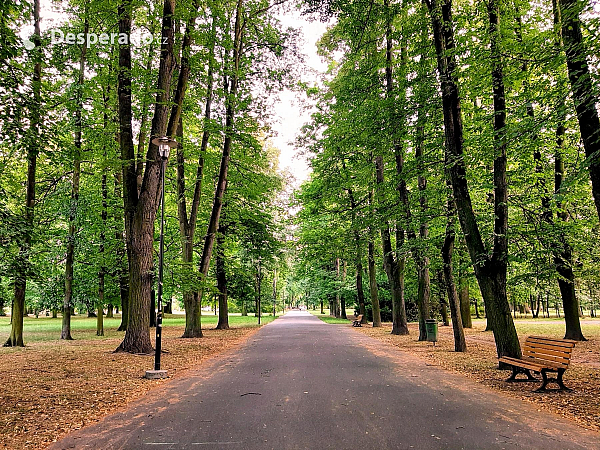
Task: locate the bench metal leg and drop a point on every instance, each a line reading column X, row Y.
column 558, row 380
column 542, row 388
column 516, row 371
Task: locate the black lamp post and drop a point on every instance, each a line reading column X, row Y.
column 259, row 284
column 164, row 148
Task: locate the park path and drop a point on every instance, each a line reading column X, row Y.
column 299, row 383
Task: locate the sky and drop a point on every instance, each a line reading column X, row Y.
column 289, row 114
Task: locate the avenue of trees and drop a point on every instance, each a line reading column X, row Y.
column 456, row 159
column 80, row 176
column 454, row 147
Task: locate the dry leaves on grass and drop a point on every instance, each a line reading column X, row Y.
column 49, row 389
column 480, row 364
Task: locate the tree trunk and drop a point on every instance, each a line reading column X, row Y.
column 139, row 168
column 101, row 250
column 583, row 89
column 359, row 282
column 122, row 271
column 400, row 324
column 372, row 274
column 15, row 338
column 343, row 297
column 336, row 266
column 442, row 297
column 394, row 266
column 465, row 302
column 490, row 271
column 70, row 258
column 359, row 266
column 274, row 293
column 100, row 317
column 421, row 258
column 563, row 255
column 153, row 307
column 141, row 211
column 373, row 285
column 187, row 226
column 460, row 344
column 222, row 280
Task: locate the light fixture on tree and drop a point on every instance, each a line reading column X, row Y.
column 164, row 149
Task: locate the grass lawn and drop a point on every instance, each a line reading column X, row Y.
column 328, row 319
column 480, row 363
column 52, row 387
column 82, row 327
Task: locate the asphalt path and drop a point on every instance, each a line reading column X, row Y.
column 299, row 383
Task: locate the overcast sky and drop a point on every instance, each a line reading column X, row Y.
column 289, row 112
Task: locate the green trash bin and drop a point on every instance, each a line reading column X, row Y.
column 431, row 326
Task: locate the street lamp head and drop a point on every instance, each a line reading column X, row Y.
column 165, row 144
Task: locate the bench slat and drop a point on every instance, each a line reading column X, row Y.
column 549, row 363
column 547, row 351
column 541, row 348
column 533, row 364
column 546, row 354
column 567, row 343
column 521, row 363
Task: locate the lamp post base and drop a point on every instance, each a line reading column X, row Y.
column 155, row 374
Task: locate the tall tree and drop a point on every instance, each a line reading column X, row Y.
column 490, row 270
column 140, row 210
column 187, row 224
column 75, row 185
column 231, row 88
column 33, row 145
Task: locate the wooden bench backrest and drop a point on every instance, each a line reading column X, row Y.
column 554, row 351
column 359, row 318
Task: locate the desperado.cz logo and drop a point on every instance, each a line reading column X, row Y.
column 59, row 37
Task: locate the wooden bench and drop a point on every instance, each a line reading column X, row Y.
column 356, row 321
column 542, row 355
